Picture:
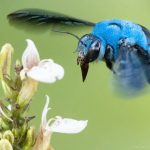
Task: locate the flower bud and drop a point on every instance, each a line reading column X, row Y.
column 29, row 87
column 18, row 67
column 24, row 129
column 5, row 60
column 16, row 132
column 5, row 145
column 9, row 136
column 30, row 139
column 7, row 90
column 1, row 136
column 3, row 125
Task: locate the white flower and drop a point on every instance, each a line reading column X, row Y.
column 35, row 71
column 57, row 124
column 43, row 71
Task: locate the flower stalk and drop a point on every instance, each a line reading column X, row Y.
column 16, row 129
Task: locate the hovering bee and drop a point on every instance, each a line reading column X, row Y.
column 123, row 45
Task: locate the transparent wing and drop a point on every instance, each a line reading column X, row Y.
column 129, row 71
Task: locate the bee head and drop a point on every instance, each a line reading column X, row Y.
column 88, row 51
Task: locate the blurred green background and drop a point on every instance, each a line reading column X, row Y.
column 114, row 122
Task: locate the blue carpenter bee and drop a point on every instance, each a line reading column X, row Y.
column 122, row 45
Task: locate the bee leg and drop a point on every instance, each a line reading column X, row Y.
column 108, row 57
column 109, row 64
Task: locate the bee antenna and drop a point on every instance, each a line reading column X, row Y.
column 70, row 34
column 67, row 33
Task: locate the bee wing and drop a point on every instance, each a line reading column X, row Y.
column 147, row 33
column 129, row 70
column 40, row 17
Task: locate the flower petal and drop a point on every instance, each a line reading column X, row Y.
column 45, row 111
column 47, row 71
column 56, row 70
column 30, row 56
column 66, row 125
column 23, row 73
